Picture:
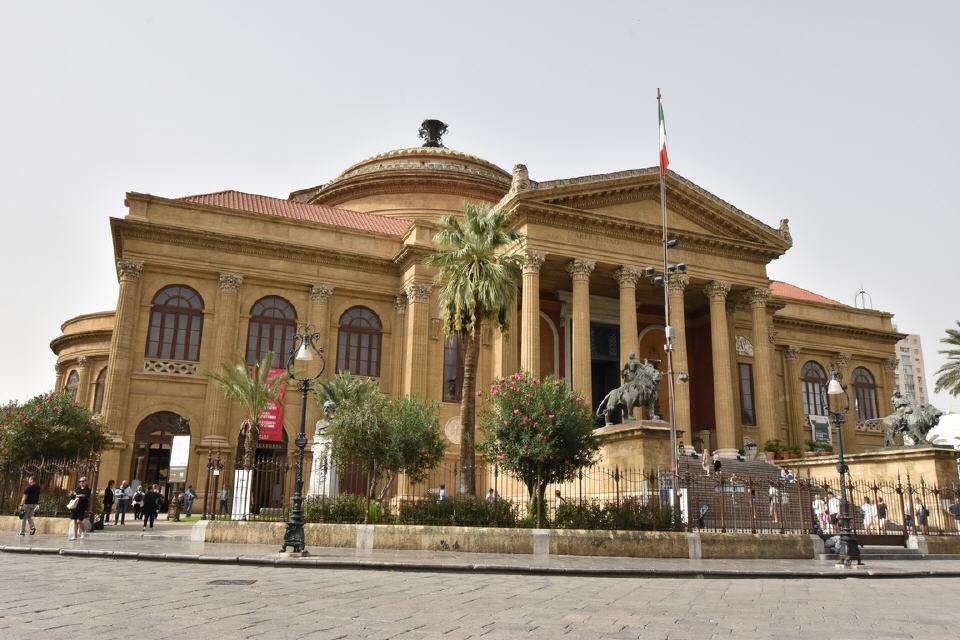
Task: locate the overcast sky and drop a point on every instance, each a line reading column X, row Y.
column 840, row 116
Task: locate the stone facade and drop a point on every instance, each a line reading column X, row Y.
column 360, row 240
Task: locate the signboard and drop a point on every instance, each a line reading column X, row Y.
column 179, row 459
column 820, row 428
column 271, row 420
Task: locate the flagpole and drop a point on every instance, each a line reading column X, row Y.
column 668, row 330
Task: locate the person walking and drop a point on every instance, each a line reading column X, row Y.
column 108, row 498
column 188, row 497
column 224, row 494
column 716, row 462
column 833, row 510
column 819, row 509
column 122, row 497
column 954, row 510
column 881, row 515
column 79, row 509
column 138, row 503
column 869, row 511
column 151, row 506
column 774, row 498
column 29, row 503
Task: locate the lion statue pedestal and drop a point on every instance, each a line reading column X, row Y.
column 636, row 444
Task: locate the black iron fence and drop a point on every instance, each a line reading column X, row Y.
column 261, row 492
column 56, row 478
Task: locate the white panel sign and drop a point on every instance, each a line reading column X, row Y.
column 180, row 451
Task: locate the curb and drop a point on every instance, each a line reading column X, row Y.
column 501, row 569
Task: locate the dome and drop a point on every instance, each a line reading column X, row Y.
column 417, row 183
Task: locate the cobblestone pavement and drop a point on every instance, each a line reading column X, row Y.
column 53, row 597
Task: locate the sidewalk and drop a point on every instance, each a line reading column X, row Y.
column 171, row 543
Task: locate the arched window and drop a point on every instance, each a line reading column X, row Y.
column 814, row 387
column 176, row 323
column 453, row 351
column 98, row 390
column 358, row 349
column 864, row 394
column 73, row 381
column 273, row 324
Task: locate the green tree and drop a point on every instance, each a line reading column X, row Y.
column 342, row 387
column 538, row 430
column 254, row 390
column 50, row 426
column 478, row 283
column 948, row 376
column 386, row 438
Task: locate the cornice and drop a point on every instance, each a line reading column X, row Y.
column 256, row 247
column 60, row 343
column 410, row 255
column 409, row 181
column 813, row 325
column 87, row 316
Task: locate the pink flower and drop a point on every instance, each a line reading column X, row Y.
column 516, row 412
column 536, row 381
column 479, row 393
column 551, row 416
column 501, row 457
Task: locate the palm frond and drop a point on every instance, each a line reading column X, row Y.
column 250, row 387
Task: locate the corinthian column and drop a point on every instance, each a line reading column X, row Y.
column 530, row 325
column 400, row 306
column 319, row 316
column 226, row 321
column 418, row 329
column 82, row 396
column 121, row 363
column 840, row 364
column 580, row 271
column 794, row 395
column 723, row 403
column 681, row 390
column 763, row 366
column 627, row 278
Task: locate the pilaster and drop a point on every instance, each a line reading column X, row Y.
column 215, row 432
column 418, row 329
column 505, row 345
column 121, row 363
column 763, row 392
column 397, row 362
column 794, row 394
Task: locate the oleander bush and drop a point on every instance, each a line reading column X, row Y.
column 460, row 511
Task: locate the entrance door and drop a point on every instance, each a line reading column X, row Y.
column 151, row 449
column 604, row 363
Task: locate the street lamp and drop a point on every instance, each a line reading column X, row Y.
column 849, row 548
column 304, row 346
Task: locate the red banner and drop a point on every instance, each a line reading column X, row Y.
column 271, row 420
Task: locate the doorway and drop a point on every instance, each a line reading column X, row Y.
column 604, row 364
column 151, row 449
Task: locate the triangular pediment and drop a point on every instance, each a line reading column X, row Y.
column 633, row 197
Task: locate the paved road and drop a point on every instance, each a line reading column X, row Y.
column 51, row 597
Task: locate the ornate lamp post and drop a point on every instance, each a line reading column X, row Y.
column 304, row 346
column 849, row 548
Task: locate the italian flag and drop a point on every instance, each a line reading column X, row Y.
column 664, row 158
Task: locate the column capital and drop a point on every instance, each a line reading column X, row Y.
column 580, row 269
column 627, row 276
column 321, row 293
column 418, row 292
column 792, row 352
column 230, row 282
column 757, row 298
column 772, row 335
column 840, row 360
column 717, row 290
column 533, row 260
column 400, row 303
column 891, row 364
column 129, row 270
column 82, row 362
column 58, row 368
column 678, row 282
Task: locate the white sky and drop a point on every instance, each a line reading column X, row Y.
column 840, row 116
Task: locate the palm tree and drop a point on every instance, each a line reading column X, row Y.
column 478, row 283
column 254, row 390
column 948, row 376
column 344, row 386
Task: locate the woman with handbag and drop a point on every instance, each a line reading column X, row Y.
column 78, row 505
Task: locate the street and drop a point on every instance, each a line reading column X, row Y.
column 50, row 597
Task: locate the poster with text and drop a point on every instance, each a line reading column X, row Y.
column 271, row 420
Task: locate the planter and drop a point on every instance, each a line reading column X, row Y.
column 810, row 454
column 770, row 456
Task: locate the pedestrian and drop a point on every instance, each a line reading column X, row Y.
column 442, row 494
column 833, row 510
column 869, row 515
column 108, row 498
column 122, row 497
column 188, row 497
column 79, row 504
column 224, row 493
column 29, row 503
column 491, row 497
column 151, row 506
column 881, row 515
column 705, row 463
column 138, row 503
column 716, row 462
column 954, row 510
column 819, row 509
column 701, row 518
column 922, row 517
column 774, row 497
column 559, row 500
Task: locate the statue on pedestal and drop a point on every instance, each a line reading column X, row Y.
column 640, row 388
column 913, row 421
column 323, row 474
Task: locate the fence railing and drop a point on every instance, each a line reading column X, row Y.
column 56, row 478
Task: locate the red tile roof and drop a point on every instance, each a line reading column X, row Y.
column 266, row 205
column 787, row 290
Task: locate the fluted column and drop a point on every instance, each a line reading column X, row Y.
column 580, row 271
column 399, row 339
column 677, row 285
column 504, row 346
column 121, row 363
column 723, row 401
column 319, row 316
column 58, row 370
column 530, row 325
column 627, row 278
column 840, row 364
column 798, row 419
column 226, row 324
column 418, row 329
column 763, row 389
column 82, row 397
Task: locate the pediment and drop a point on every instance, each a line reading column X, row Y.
column 633, row 197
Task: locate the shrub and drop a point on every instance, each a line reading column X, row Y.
column 461, row 511
column 344, row 509
column 773, row 446
column 50, row 426
column 630, row 514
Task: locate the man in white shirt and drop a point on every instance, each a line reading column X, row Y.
column 833, row 508
column 122, row 496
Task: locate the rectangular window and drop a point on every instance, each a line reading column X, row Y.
column 747, row 414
